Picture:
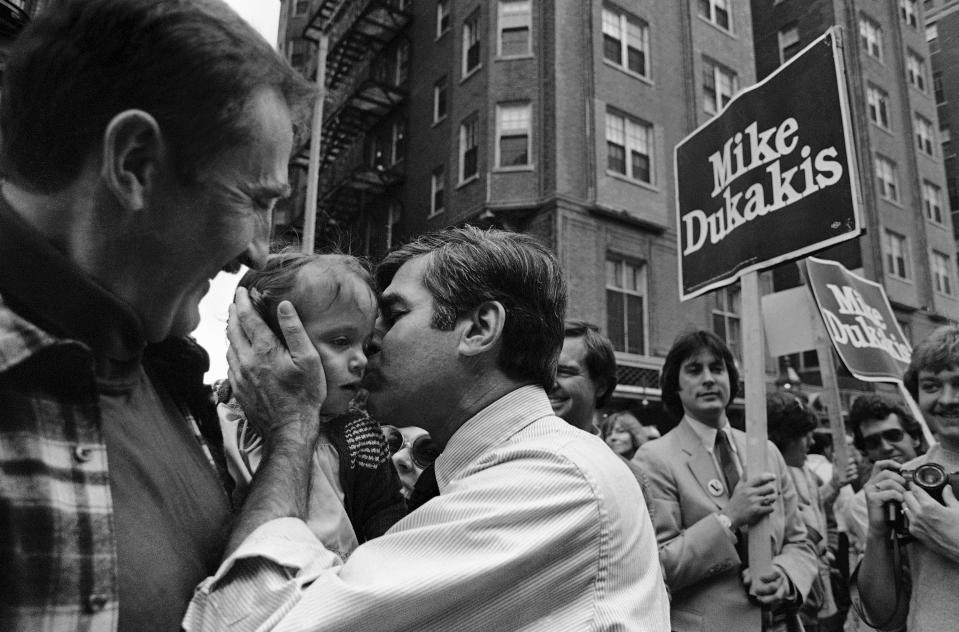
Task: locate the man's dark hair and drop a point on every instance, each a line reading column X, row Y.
column 191, row 64
column 466, row 267
column 600, row 358
column 936, row 352
column 788, row 418
column 874, row 407
column 684, row 347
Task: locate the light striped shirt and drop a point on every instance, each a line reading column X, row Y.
column 538, row 526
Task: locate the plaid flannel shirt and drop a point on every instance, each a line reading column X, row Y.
column 57, row 548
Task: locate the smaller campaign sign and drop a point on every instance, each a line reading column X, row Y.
column 772, row 177
column 860, row 322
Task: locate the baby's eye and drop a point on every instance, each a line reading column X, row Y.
column 340, row 341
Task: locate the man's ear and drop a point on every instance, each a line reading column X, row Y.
column 484, row 328
column 132, row 151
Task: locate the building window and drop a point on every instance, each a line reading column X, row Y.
column 515, row 21
column 932, row 201
column 298, row 53
column 937, row 88
column 941, row 273
column 916, row 69
column 471, row 43
column 301, row 8
column 897, row 255
column 442, row 17
column 717, row 12
column 925, row 136
column 513, row 125
column 945, row 139
column 932, row 37
column 726, row 319
column 439, row 99
column 438, row 191
column 629, row 147
column 626, row 41
column 909, row 10
column 877, row 101
column 952, row 186
column 469, row 148
column 719, row 86
column 402, row 53
column 870, row 34
column 888, row 177
column 788, row 42
column 626, row 305
column 398, row 141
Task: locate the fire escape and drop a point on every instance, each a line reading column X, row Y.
column 364, row 129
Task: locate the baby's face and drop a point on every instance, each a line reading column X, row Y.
column 340, row 331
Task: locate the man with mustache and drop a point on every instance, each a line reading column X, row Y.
column 912, row 583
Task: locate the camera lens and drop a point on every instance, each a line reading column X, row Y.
column 930, row 475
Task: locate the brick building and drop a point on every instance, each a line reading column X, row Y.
column 942, row 34
column 559, row 119
column 909, row 245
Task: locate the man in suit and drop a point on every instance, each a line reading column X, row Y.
column 702, row 502
column 585, row 377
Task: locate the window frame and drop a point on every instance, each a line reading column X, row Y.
column 296, row 6
column 925, row 135
column 505, row 21
column 650, row 132
column 437, row 185
column 728, row 306
column 782, row 48
column 623, row 22
column 916, row 76
column 896, row 250
column 441, row 99
column 875, row 29
column 909, row 12
column 942, row 279
column 624, row 290
column 932, row 202
column 718, row 70
column 469, row 130
column 712, row 13
column 882, row 107
column 471, row 37
column 443, row 12
column 501, row 110
column 884, row 184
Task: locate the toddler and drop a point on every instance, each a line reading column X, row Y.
column 354, row 490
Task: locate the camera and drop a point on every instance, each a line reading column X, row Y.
column 932, row 478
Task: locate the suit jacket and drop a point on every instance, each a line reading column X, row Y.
column 699, row 558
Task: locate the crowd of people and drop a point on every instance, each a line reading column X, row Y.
column 417, row 447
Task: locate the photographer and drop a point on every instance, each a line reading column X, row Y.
column 911, row 580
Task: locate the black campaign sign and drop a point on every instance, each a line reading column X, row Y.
column 772, row 177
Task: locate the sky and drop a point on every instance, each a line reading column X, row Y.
column 265, row 16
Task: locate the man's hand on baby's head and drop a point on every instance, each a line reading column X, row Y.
column 277, row 386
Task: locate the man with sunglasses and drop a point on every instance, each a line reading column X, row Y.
column 882, row 430
column 412, row 450
column 912, row 582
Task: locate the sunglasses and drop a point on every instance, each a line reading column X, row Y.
column 422, row 449
column 874, row 441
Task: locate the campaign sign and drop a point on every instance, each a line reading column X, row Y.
column 772, row 177
column 860, row 322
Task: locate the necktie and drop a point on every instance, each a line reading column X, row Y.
column 425, row 489
column 724, row 454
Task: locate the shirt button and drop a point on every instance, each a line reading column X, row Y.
column 82, row 453
column 96, row 602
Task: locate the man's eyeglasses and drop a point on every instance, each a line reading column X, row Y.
column 891, row 435
column 422, row 449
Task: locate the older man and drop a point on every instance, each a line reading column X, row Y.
column 912, row 583
column 536, row 525
column 585, row 377
column 144, row 144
